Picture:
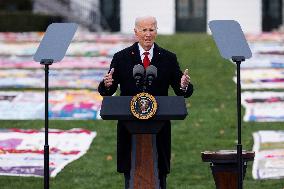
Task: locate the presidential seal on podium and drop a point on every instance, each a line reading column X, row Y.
column 143, row 106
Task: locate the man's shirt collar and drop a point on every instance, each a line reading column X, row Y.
column 141, row 50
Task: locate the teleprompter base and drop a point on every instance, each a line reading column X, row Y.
column 224, row 166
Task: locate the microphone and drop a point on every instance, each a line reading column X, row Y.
column 151, row 74
column 138, row 74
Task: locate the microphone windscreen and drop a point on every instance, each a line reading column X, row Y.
column 151, row 70
column 138, row 69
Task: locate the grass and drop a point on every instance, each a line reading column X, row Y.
column 211, row 125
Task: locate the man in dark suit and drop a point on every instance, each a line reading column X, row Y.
column 145, row 52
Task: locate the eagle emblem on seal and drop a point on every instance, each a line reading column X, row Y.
column 143, row 106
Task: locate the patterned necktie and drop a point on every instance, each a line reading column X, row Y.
column 146, row 60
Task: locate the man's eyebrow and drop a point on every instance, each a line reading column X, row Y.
column 148, row 28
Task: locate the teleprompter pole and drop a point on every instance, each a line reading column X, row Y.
column 46, row 63
column 238, row 60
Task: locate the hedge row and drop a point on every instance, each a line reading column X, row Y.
column 16, row 5
column 25, row 21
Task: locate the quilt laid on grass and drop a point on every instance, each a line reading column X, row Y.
column 264, row 71
column 75, row 49
column 269, row 157
column 21, row 151
column 65, row 78
column 63, row 104
column 262, row 78
column 14, row 62
column 263, row 106
column 264, row 61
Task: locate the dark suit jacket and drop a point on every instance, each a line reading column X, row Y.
column 168, row 73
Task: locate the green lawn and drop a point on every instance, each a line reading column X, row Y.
column 211, row 125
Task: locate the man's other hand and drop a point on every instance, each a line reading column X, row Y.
column 108, row 80
column 185, row 80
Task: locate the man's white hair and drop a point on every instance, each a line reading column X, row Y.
column 142, row 18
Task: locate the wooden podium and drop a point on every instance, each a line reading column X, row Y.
column 144, row 172
column 224, row 166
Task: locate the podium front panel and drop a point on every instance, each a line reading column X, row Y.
column 118, row 108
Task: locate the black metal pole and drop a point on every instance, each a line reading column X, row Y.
column 46, row 146
column 239, row 145
column 46, row 63
column 238, row 60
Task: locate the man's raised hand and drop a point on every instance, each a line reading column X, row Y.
column 108, row 80
column 185, row 80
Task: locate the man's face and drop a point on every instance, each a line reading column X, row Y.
column 146, row 32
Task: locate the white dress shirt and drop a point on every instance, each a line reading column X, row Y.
column 141, row 50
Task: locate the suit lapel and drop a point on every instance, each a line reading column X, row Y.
column 156, row 55
column 135, row 54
